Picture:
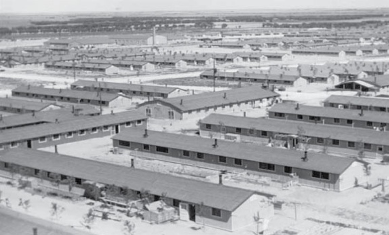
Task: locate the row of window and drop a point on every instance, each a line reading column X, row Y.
column 70, row 134
column 239, row 130
column 333, row 142
column 48, row 174
column 59, row 97
column 315, row 118
column 221, row 159
column 350, row 144
column 382, row 109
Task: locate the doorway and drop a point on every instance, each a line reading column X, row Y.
column 192, row 212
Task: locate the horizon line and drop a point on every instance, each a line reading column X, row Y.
column 197, row 11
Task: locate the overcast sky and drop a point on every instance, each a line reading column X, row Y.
column 52, row 6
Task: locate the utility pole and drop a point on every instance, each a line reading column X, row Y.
column 74, row 70
column 295, row 210
column 101, row 108
column 214, row 74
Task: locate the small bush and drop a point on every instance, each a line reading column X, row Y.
column 52, row 194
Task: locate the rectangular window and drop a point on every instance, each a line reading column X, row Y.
column 124, row 143
column 56, row 137
column 162, row 149
column 263, row 133
column 69, row 135
column 251, row 131
column 336, row 120
column 288, row 169
column 105, row 128
column 300, row 117
column 128, row 124
column 176, row 203
column 266, row 166
column 200, row 155
column 81, row 132
column 148, row 112
column 320, row 175
column 208, row 126
column 78, row 181
column 279, row 114
column 238, row 162
column 222, row 159
column 37, row 171
column 171, row 114
column 64, row 177
column 369, row 123
column 146, row 147
column 380, row 148
column 216, row 212
column 350, row 122
column 94, row 130
column 316, row 174
column 319, row 140
column 335, row 142
column 366, row 146
column 139, row 122
column 42, row 139
column 313, row 118
column 185, row 153
column 14, row 144
column 351, row 144
column 238, row 130
column 6, row 165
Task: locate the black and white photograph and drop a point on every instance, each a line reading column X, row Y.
column 194, row 117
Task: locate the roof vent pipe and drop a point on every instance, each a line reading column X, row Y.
column 215, row 144
column 181, row 102
column 305, row 158
column 225, row 95
column 297, row 106
column 145, row 134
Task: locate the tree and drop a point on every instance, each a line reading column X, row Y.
column 257, row 219
column 224, row 25
column 129, row 227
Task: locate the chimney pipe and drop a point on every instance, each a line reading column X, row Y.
column 361, row 114
column 215, row 144
column 132, row 163
column 181, row 102
column 225, row 95
column 297, row 106
column 145, row 134
column 305, row 158
column 220, row 178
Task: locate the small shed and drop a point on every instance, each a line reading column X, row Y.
column 159, row 212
